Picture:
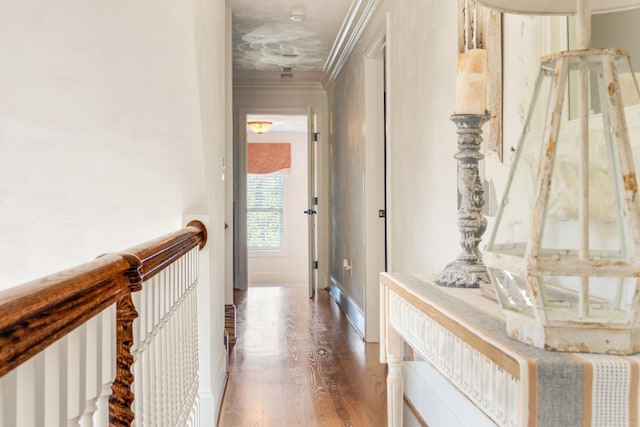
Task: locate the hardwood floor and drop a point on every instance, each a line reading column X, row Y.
column 298, row 362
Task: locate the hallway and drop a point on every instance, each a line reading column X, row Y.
column 299, row 362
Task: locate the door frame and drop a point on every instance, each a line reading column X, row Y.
column 240, row 250
column 312, row 199
column 376, row 178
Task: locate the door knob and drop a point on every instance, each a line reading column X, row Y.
column 310, row 212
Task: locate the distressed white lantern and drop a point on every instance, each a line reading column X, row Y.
column 564, row 255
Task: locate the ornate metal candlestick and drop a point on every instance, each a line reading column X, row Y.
column 468, row 270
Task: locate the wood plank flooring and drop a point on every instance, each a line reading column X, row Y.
column 298, row 362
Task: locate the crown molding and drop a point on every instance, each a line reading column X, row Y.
column 350, row 32
column 257, row 85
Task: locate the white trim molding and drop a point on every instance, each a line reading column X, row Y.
column 348, row 306
column 352, row 28
column 250, row 87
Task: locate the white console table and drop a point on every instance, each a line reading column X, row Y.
column 462, row 335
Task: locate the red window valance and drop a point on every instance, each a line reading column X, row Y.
column 268, row 157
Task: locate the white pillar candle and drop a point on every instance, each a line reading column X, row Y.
column 471, row 83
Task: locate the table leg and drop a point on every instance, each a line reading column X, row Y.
column 395, row 391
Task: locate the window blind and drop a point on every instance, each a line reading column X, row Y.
column 265, row 205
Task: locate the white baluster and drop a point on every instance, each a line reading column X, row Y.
column 183, row 344
column 145, row 319
column 26, row 394
column 168, row 389
column 170, row 339
column 9, row 385
column 177, row 341
column 76, row 382
column 41, row 386
column 107, row 365
column 162, row 353
column 174, row 319
column 51, row 385
column 151, row 350
column 155, row 352
column 63, row 384
column 93, row 385
column 136, row 350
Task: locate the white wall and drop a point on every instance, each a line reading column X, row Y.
column 421, row 50
column 422, row 54
column 99, row 144
column 111, row 118
column 290, row 265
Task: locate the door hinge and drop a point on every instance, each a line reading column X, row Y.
column 315, row 201
column 315, row 136
column 315, row 265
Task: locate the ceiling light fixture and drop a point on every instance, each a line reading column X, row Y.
column 260, row 126
column 297, row 15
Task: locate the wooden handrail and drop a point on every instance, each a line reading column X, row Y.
column 38, row 313
column 156, row 254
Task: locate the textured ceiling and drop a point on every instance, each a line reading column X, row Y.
column 265, row 40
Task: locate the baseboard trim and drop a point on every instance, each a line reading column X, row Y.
column 211, row 400
column 348, row 306
column 220, row 386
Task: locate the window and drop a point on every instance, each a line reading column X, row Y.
column 265, row 206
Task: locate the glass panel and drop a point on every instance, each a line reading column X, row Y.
column 513, row 225
column 607, row 236
column 512, row 291
column 607, row 298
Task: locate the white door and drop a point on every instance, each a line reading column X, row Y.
column 312, row 201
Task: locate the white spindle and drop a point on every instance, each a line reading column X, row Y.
column 107, row 366
column 76, row 371
column 51, row 379
column 151, row 356
column 63, row 385
column 40, row 392
column 146, row 318
column 163, row 349
column 92, row 379
column 171, row 343
column 9, row 386
column 26, row 390
column 136, row 351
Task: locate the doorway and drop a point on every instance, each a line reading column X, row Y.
column 276, row 182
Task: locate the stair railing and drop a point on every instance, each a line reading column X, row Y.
column 71, row 342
